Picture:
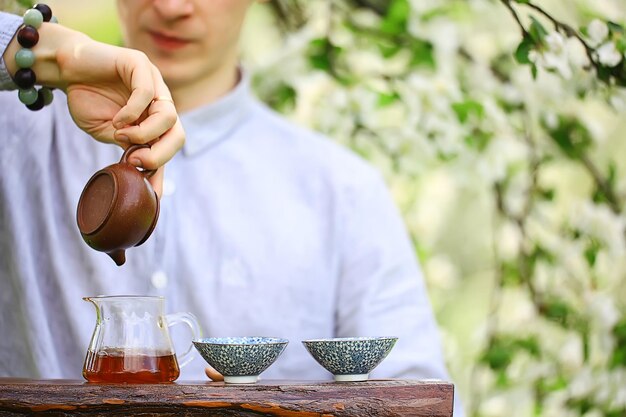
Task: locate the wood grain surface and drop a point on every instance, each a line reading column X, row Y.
column 20, row 397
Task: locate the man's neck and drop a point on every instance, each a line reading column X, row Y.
column 205, row 91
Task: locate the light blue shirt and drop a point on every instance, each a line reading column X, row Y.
column 265, row 229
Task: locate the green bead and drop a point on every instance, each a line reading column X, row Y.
column 28, row 96
column 47, row 95
column 54, row 19
column 33, row 17
column 24, row 58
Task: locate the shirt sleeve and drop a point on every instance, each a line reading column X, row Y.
column 9, row 23
column 382, row 291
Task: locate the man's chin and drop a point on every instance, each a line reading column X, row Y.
column 175, row 81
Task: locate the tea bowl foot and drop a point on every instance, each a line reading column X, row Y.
column 248, row 379
column 351, row 378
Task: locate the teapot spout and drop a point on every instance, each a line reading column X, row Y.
column 119, row 256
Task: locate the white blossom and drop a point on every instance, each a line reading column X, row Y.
column 517, row 312
column 571, row 353
column 496, row 406
column 601, row 223
column 509, row 241
column 555, row 57
column 598, row 31
column 609, row 55
column 603, row 309
column 582, row 384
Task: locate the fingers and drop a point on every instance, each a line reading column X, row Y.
column 137, row 72
column 160, row 151
column 161, row 127
column 213, row 374
column 161, row 117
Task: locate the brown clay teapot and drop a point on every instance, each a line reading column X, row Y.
column 118, row 208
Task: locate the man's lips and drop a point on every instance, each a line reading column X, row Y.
column 167, row 42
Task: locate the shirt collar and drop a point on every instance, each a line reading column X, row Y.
column 207, row 125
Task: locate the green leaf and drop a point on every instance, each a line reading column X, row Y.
column 615, row 28
column 598, row 194
column 465, row 109
column 539, row 253
column 26, row 3
column 619, row 352
column 511, row 276
column 502, row 349
column 620, row 71
column 395, row 21
column 388, row 50
column 522, row 1
column 612, row 177
column 551, row 384
column 283, row 98
column 385, row 99
column 436, row 12
column 558, row 311
column 533, row 71
column 423, row 54
column 546, row 194
column 571, row 137
column 591, row 251
column 318, row 54
column 537, row 31
column 582, row 404
column 523, row 49
column 498, row 356
column 502, row 380
column 530, row 345
column 321, row 52
column 479, row 139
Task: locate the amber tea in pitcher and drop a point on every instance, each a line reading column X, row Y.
column 131, row 342
column 118, row 365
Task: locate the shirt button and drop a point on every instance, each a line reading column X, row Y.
column 169, row 187
column 159, row 280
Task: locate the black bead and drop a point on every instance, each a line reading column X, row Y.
column 25, row 78
column 37, row 105
column 45, row 11
column 28, row 37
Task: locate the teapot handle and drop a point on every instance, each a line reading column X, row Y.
column 196, row 333
column 132, row 148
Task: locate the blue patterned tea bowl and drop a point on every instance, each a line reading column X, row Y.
column 350, row 358
column 240, row 359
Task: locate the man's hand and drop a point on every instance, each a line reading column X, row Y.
column 118, row 95
column 115, row 94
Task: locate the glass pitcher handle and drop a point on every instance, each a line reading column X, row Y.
column 191, row 321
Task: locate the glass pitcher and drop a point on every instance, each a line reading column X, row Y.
column 131, row 342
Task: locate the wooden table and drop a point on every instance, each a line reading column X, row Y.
column 20, row 397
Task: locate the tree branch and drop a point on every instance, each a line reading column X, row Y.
column 507, row 4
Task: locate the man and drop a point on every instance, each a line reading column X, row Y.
column 265, row 229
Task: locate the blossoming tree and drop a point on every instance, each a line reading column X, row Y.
column 498, row 125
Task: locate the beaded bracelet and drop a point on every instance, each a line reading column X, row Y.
column 25, row 78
